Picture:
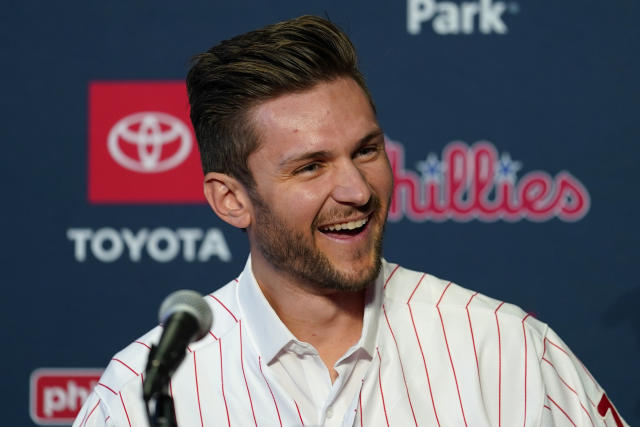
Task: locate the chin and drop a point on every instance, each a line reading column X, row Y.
column 358, row 279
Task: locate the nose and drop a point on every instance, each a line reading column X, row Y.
column 351, row 187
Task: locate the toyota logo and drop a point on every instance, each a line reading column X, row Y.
column 148, row 133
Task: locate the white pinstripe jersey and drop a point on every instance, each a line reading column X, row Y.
column 443, row 356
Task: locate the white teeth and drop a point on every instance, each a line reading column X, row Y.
column 347, row 225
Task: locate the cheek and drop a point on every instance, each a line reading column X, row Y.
column 299, row 205
column 380, row 178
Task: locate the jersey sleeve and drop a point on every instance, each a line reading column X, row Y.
column 94, row 413
column 572, row 396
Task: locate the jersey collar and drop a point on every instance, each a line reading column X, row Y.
column 270, row 336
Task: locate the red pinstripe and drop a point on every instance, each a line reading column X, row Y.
column 424, row 360
column 245, row 378
column 587, row 412
column 561, row 410
column 299, row 414
column 390, row 276
column 86, row 417
column 360, row 403
column 106, row 419
column 125, row 409
column 141, row 343
column 559, row 376
column 127, row 366
column 384, row 406
column 473, row 340
column 558, row 347
column 108, row 388
column 214, row 337
column 569, row 356
column 570, row 388
column 499, row 368
column 449, row 352
column 401, row 365
column 222, row 384
column 547, row 407
column 524, row 334
column 195, row 373
column 225, row 307
column 90, row 413
column 269, row 387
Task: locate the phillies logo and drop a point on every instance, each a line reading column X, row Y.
column 149, row 132
column 58, row 394
column 474, row 182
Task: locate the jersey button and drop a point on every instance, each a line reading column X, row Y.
column 329, row 412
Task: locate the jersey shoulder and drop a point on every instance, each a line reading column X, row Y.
column 127, row 366
column 403, row 287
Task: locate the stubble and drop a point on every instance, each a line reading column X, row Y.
column 291, row 252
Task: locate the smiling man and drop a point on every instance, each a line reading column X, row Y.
column 318, row 329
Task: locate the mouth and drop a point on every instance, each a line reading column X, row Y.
column 346, row 229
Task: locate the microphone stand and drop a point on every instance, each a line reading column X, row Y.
column 160, row 408
column 185, row 317
column 164, row 414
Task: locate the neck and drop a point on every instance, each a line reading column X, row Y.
column 329, row 320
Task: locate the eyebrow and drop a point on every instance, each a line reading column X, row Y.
column 324, row 154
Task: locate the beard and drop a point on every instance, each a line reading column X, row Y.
column 294, row 254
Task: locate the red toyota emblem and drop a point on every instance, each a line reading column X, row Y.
column 141, row 145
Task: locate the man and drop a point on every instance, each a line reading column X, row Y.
column 318, row 329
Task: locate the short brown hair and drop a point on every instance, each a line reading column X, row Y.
column 226, row 81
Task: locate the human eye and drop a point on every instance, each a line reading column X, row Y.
column 368, row 151
column 308, row 168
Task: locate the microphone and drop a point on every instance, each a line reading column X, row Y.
column 186, row 318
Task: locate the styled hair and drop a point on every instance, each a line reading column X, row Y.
column 225, row 82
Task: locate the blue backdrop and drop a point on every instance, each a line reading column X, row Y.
column 550, row 87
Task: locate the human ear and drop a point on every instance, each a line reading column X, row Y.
column 228, row 198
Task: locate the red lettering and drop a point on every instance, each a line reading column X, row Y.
column 606, row 405
column 537, row 196
column 484, row 160
column 469, row 187
column 575, row 202
column 455, row 158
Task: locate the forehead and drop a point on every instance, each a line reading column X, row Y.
column 328, row 116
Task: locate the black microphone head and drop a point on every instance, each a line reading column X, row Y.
column 191, row 302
